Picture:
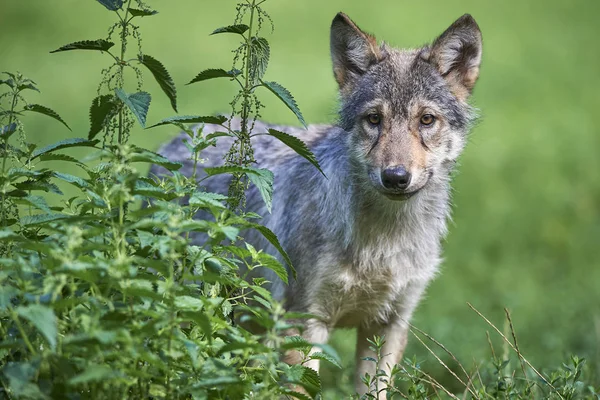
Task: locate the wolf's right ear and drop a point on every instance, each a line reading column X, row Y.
column 352, row 50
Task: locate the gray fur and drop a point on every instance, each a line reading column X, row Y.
column 365, row 253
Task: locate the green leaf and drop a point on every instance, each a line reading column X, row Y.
column 208, row 199
column 46, row 111
column 60, row 157
column 42, row 219
column 260, row 177
column 188, row 303
column 270, row 262
column 163, row 78
column 284, row 95
column 72, row 179
column 326, row 357
column 310, row 381
column 259, row 57
column 100, row 44
column 191, row 119
column 94, row 373
column 214, row 73
column 272, row 238
column 263, row 180
column 142, row 13
column 201, row 320
column 6, row 131
column 63, row 144
column 112, row 5
column 36, row 201
column 20, row 376
column 102, row 109
column 143, row 155
column 138, row 103
column 28, row 86
column 43, row 319
column 239, row 29
column 298, row 146
column 8, row 82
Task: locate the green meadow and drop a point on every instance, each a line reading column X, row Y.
column 525, row 234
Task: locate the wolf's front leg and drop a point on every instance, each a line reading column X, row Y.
column 316, row 332
column 395, row 335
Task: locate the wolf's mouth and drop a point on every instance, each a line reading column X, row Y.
column 400, row 196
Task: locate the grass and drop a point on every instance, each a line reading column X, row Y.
column 526, row 219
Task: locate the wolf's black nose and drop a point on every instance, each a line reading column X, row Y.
column 395, row 178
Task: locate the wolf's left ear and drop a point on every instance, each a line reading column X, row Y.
column 457, row 55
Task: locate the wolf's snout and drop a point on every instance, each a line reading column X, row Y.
column 395, row 178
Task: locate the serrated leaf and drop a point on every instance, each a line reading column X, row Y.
column 272, row 238
column 201, row 320
column 310, row 381
column 46, row 111
column 30, row 185
column 238, row 28
column 191, row 119
column 270, row 262
column 42, row 219
column 289, row 393
column 7, row 130
column 163, row 78
column 286, row 97
column 60, row 157
column 72, row 179
column 8, row 82
column 43, row 319
column 20, row 376
column 259, row 59
column 214, row 73
column 28, row 86
column 36, row 201
column 260, row 177
column 298, row 146
column 138, row 103
column 94, row 373
column 207, row 198
column 142, row 13
column 102, row 108
column 142, row 155
column 263, row 180
column 326, row 357
column 63, row 144
column 99, row 44
column 112, row 5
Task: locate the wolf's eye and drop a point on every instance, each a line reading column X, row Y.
column 427, row 119
column 374, row 119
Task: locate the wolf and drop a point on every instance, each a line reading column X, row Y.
column 365, row 238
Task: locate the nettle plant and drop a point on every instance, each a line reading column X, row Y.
column 103, row 299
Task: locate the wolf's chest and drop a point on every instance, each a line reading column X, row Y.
column 349, row 298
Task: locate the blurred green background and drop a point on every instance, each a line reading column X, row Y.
column 526, row 228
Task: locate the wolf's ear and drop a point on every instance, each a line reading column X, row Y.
column 352, row 50
column 457, row 55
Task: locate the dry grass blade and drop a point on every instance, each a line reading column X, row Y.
column 514, row 336
column 544, row 379
column 437, row 343
column 467, row 386
column 430, row 380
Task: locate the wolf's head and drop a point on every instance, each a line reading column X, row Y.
column 406, row 110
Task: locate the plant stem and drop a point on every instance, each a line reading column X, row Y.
column 124, row 24
column 5, row 157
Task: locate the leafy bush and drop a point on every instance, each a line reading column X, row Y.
column 103, row 298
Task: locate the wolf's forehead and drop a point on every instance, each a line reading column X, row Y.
column 404, row 78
